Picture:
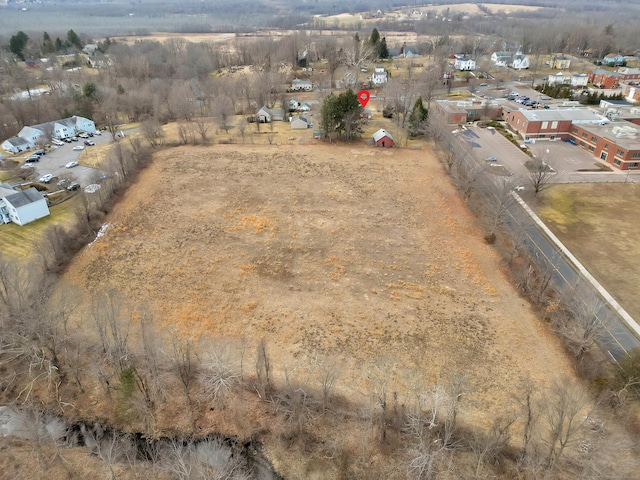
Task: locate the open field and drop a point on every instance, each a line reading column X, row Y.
column 346, row 252
column 598, row 222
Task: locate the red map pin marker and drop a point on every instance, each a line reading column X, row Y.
column 363, row 97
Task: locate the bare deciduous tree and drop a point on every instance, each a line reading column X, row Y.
column 263, row 370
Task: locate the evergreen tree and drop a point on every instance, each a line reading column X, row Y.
column 74, row 39
column 418, row 118
column 341, row 114
column 47, row 45
column 17, row 43
column 382, row 50
column 374, row 39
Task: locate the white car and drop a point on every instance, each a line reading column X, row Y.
column 71, row 164
column 46, row 178
column 97, row 132
column 83, row 135
column 57, row 143
column 77, row 148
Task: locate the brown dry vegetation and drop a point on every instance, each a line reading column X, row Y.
column 596, row 221
column 357, row 254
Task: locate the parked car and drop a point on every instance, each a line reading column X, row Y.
column 71, row 164
column 484, row 84
column 63, row 183
column 492, row 158
column 73, row 139
column 89, row 143
column 77, row 148
column 57, row 142
column 40, row 152
column 83, row 135
column 46, row 178
column 97, row 132
column 73, row 186
column 32, row 159
column 28, row 165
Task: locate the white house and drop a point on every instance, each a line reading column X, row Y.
column 464, row 63
column 267, row 115
column 304, row 85
column 519, row 61
column 379, row 76
column 15, row 145
column 579, row 80
column 23, row 207
column 301, row 122
column 558, row 79
column 501, row 59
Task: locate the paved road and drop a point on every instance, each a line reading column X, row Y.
column 482, row 143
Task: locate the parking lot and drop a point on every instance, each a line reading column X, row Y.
column 567, row 159
column 55, row 160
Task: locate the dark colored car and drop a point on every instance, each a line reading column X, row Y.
column 73, row 186
column 32, row 159
column 39, row 152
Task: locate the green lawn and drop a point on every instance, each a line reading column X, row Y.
column 17, row 241
column 599, row 223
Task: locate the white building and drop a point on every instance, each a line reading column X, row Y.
column 379, row 76
column 463, row 63
column 579, row 80
column 519, row 61
column 301, row 85
column 301, row 122
column 501, row 59
column 23, row 207
column 15, row 145
column 31, row 136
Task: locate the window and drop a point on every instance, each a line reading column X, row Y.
column 585, row 135
column 582, row 144
column 594, row 139
column 554, row 125
column 633, row 165
column 616, row 161
column 591, row 148
column 544, row 126
column 620, row 152
column 542, row 136
column 635, row 155
column 606, row 146
column 575, row 130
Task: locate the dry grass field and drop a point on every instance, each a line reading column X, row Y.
column 598, row 222
column 346, row 252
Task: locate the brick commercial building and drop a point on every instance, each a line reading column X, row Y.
column 549, row 124
column 616, row 143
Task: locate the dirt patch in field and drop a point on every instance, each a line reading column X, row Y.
column 598, row 222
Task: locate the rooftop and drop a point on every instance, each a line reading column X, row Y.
column 573, row 114
column 25, row 197
column 621, row 133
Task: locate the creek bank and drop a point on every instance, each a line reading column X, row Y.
column 213, row 451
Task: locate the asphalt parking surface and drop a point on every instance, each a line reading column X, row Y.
column 55, row 160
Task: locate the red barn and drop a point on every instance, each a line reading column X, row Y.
column 383, row 138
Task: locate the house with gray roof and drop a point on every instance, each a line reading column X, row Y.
column 42, row 133
column 23, row 207
column 15, row 145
